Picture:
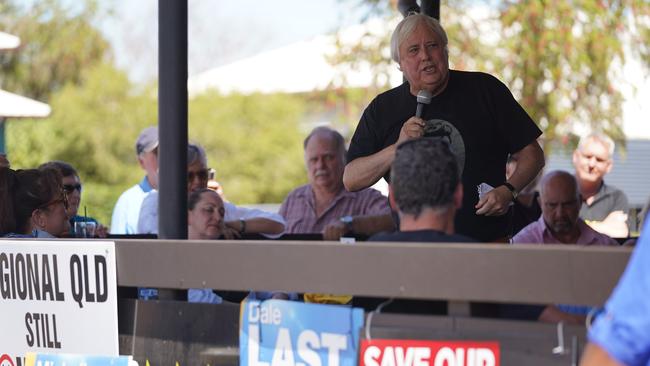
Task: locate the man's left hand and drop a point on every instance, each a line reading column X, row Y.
column 495, row 202
column 334, row 231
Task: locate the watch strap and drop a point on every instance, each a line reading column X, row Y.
column 512, row 190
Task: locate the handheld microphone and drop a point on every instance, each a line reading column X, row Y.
column 423, row 97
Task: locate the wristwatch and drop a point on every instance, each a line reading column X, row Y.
column 512, row 190
column 347, row 221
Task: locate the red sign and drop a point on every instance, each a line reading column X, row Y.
column 394, row 352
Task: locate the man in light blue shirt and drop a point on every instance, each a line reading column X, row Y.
column 622, row 334
column 127, row 208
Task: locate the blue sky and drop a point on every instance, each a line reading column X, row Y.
column 220, row 31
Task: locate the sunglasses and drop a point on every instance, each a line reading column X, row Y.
column 63, row 199
column 201, row 175
column 69, row 188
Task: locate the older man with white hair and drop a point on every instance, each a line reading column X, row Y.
column 323, row 205
column 473, row 111
column 604, row 207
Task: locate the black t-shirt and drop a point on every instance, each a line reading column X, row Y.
column 423, row 236
column 482, row 121
column 408, row 306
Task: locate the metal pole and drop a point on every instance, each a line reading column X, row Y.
column 172, row 118
column 430, row 8
column 3, row 122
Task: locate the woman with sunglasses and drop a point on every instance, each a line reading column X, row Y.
column 72, row 186
column 33, row 204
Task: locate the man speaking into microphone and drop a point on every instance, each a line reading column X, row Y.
column 473, row 111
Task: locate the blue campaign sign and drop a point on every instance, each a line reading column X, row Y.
column 287, row 333
column 41, row 359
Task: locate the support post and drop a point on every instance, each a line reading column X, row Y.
column 172, row 118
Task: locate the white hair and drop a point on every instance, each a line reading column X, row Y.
column 408, row 25
column 598, row 137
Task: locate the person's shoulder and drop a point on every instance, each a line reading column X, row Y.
column 134, row 189
column 530, row 234
column 425, row 236
column 459, row 238
column 300, row 191
column 613, row 190
column 471, row 75
column 475, row 78
column 385, row 236
column 391, row 94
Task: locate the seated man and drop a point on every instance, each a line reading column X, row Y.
column 605, row 207
column 560, row 224
column 324, row 200
column 238, row 220
column 426, row 191
column 127, row 209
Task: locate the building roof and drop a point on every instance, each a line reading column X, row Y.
column 631, row 172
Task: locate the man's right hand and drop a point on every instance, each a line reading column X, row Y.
column 412, row 129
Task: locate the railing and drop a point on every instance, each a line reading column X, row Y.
column 459, row 272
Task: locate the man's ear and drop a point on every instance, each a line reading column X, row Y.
column 575, row 158
column 458, row 196
column 141, row 162
column 391, row 198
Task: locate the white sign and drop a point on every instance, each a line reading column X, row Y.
column 57, row 297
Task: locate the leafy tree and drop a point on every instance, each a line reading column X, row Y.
column 253, row 142
column 93, row 126
column 57, row 42
column 562, row 57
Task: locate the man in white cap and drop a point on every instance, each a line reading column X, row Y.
column 127, row 208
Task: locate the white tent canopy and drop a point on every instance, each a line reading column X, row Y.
column 8, row 41
column 298, row 67
column 16, row 106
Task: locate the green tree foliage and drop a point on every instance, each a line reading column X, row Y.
column 253, row 142
column 93, row 126
column 562, row 56
column 57, row 42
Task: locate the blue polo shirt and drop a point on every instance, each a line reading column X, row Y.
column 127, row 208
column 624, row 329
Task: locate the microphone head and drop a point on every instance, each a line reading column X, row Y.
column 424, row 97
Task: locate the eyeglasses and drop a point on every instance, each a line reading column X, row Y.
column 69, row 188
column 63, row 199
column 201, row 175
